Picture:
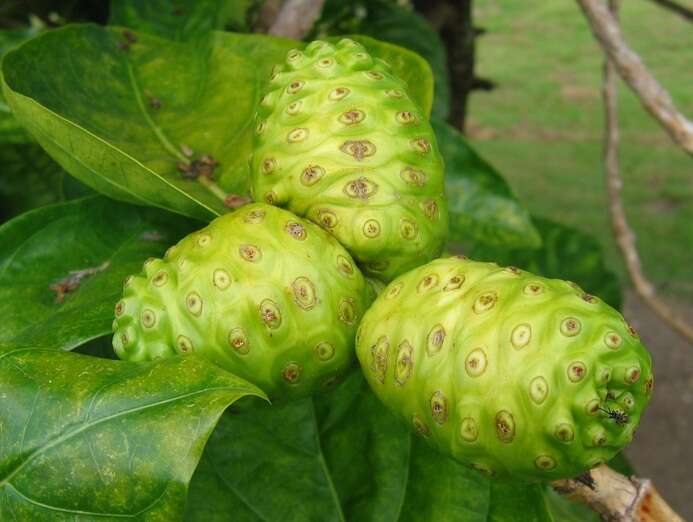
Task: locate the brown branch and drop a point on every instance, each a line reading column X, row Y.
column 296, row 18
column 633, row 71
column 625, row 238
column 617, row 498
column 679, row 9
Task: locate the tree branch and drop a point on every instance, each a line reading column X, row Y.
column 617, row 498
column 296, row 17
column 625, row 238
column 633, row 71
column 679, row 9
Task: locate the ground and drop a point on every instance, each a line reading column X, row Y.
column 542, row 127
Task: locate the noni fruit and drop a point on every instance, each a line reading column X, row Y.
column 262, row 293
column 513, row 374
column 338, row 141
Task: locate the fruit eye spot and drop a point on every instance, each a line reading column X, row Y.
column 421, row 145
column 338, row 93
column 371, row 228
column 468, row 429
column 408, row 229
column 359, row 149
column 521, row 335
column 361, row 188
column 427, row 283
column 148, row 318
column 352, row 117
column 261, row 127
column 325, row 62
column 533, row 289
column 239, row 341
column 293, row 55
column 414, row 177
column 311, row 174
column 430, row 209
column 538, row 389
column 545, row 462
column 439, row 407
column 268, row 165
column 394, row 93
column 250, row 253
column 292, row 373
column 577, row 371
column 484, row 302
column 570, row 327
column 304, row 293
column 294, row 108
column 327, row 218
column 454, row 283
column 324, row 351
column 374, row 75
column 254, row 216
column 613, row 340
column 403, row 363
column 379, row 358
column 184, row 344
column 119, row 308
column 420, row 426
column 221, row 279
column 592, row 407
column 160, row 279
column 505, row 426
column 297, row 135
column 564, row 432
column 344, row 266
column 295, row 230
column 632, row 375
column 269, row 313
column 346, row 311
column 406, row 118
column 295, row 86
column 475, row 364
column 394, row 291
column 193, row 302
column 435, row 340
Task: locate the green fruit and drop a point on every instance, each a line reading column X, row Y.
column 508, row 372
column 262, row 293
column 339, row 142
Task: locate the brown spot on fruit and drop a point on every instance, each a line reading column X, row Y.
column 359, row 149
column 420, row 145
column 160, row 278
column 184, row 344
column 250, row 253
column 291, row 373
column 295, row 230
column 268, row 165
column 454, row 283
column 119, row 308
column 485, row 302
column 406, row 118
column 403, row 363
column 632, row 375
column 324, row 351
column 439, row 407
column 238, row 340
column 564, row 432
column 505, row 426
column 361, row 188
column 427, row 283
column 295, row 86
column 521, row 335
column 545, row 462
column 435, row 340
column 338, row 93
column 311, row 175
column 533, row 289
column 327, row 218
column 430, row 209
column 394, row 93
column 613, row 340
column 193, row 302
column 408, row 229
column 475, row 363
column 394, row 290
column 412, row 176
column 148, row 318
column 255, row 216
column 270, row 314
column 371, row 228
column 297, row 135
column 570, row 327
column 576, row 371
column 374, row 75
column 352, row 117
column 538, row 390
column 304, row 293
column 346, row 311
column 468, row 430
column 379, row 358
column 345, row 266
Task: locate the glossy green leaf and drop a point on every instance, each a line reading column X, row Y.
column 10, row 129
column 388, row 21
column 482, row 207
column 179, row 20
column 83, row 438
column 566, row 253
column 29, row 178
column 102, row 240
column 342, row 456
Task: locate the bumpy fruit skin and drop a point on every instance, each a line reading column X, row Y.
column 338, row 141
column 505, row 371
column 268, row 296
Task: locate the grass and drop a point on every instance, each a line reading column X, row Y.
column 542, row 126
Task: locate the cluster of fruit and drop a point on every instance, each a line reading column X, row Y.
column 511, row 373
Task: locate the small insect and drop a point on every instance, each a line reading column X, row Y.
column 154, row 103
column 619, row 417
column 74, row 280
